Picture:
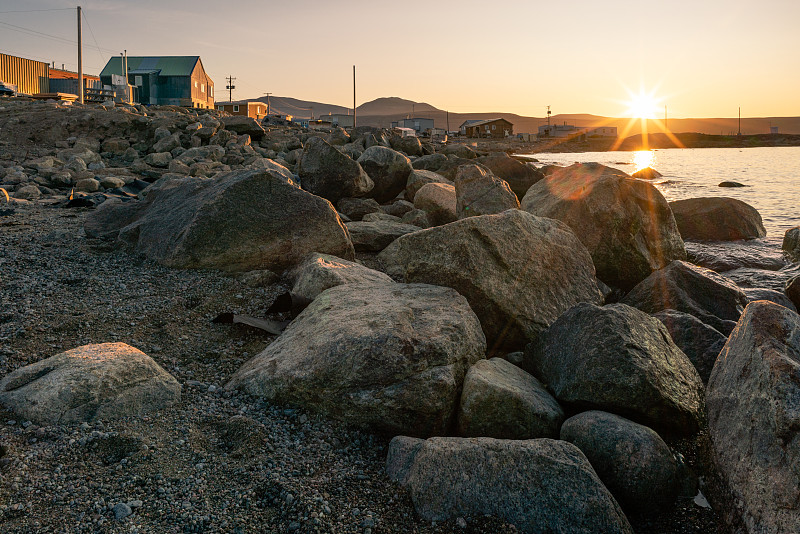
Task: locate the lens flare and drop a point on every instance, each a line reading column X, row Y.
column 643, row 159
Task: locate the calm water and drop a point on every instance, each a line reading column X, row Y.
column 771, row 174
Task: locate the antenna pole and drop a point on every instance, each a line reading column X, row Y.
column 354, row 97
column 80, row 59
column 740, row 121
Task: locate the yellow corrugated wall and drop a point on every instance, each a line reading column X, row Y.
column 28, row 75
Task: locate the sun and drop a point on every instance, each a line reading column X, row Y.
column 642, row 106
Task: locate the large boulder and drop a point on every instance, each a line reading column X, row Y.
column 479, row 192
column 238, row 221
column 681, row 286
column 539, row 485
column 500, row 400
column 431, row 162
column 793, row 290
column 326, row 172
column 105, row 381
column 778, row 297
column 418, row 178
column 520, row 176
column 717, row 219
column 409, row 146
column 518, row 272
column 460, row 151
column 791, row 242
column 721, row 256
column 438, row 201
column 241, row 125
column 388, row 170
column 356, row 208
column 385, row 357
column 321, row 271
column 753, row 403
column 374, row 236
column 700, row 342
column 632, row 460
column 618, row 359
column 625, row 223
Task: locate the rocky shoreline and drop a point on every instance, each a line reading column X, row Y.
column 459, row 324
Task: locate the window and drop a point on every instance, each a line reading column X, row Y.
column 195, row 84
column 202, row 88
column 137, row 80
column 235, row 109
column 220, row 108
column 211, row 89
column 258, row 110
column 494, row 126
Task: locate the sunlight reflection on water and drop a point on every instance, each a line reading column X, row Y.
column 643, row 159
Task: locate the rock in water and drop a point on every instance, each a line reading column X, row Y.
column 500, row 400
column 681, row 286
column 717, row 219
column 388, row 169
column 626, row 224
column 385, row 357
column 105, row 381
column 632, row 460
column 539, row 485
column 519, row 176
column 791, row 242
column 481, row 193
column 618, row 359
column 647, row 174
column 753, row 403
column 240, row 221
column 326, row 172
column 321, row 271
column 793, row 290
column 697, row 340
column 518, row 272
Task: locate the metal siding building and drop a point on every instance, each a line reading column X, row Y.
column 63, row 81
column 28, row 75
column 165, row 80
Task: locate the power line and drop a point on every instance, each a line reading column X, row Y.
column 37, row 10
column 30, row 31
column 93, row 37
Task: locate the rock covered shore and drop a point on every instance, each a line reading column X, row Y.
column 470, row 342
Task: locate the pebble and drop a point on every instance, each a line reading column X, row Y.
column 121, row 511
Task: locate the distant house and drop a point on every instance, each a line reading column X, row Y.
column 489, row 128
column 165, row 80
column 256, row 110
column 563, row 131
column 26, row 75
column 418, row 124
column 463, row 128
column 338, row 119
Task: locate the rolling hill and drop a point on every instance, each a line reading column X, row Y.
column 382, row 111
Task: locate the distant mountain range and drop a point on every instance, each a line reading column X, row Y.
column 382, row 112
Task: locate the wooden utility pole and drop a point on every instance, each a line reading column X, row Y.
column 80, row 59
column 230, row 87
column 354, row 96
column 267, row 103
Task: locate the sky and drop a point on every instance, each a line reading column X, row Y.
column 699, row 58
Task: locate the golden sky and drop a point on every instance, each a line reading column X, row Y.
column 700, row 58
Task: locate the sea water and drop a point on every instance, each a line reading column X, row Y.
column 771, row 176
